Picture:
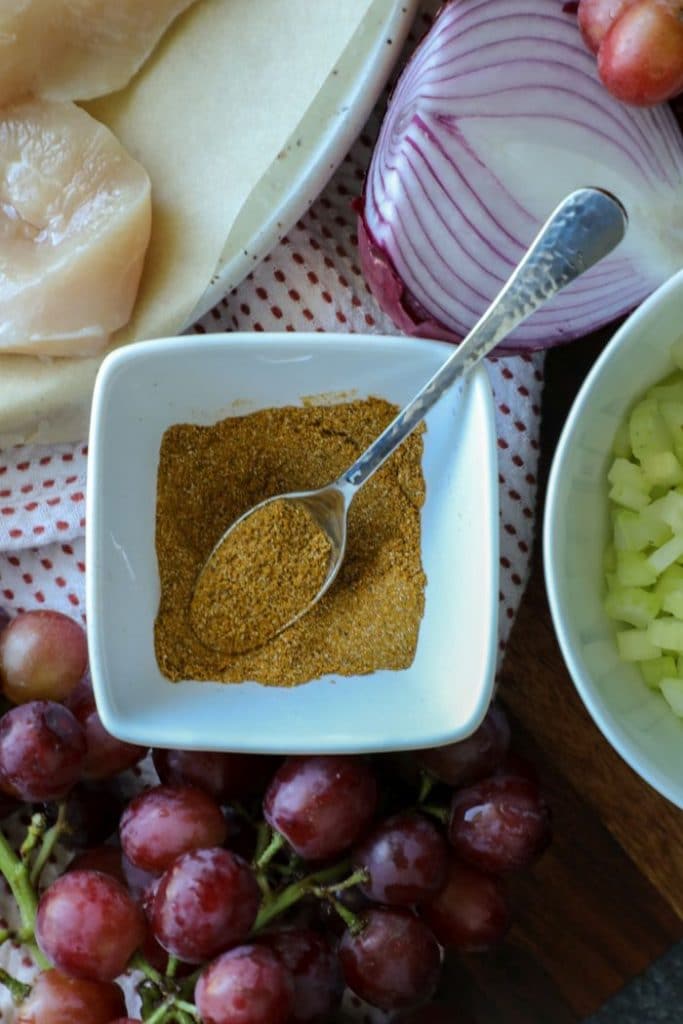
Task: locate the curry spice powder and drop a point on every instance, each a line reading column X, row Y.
column 209, row 476
column 267, row 571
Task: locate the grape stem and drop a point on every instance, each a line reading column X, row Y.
column 171, row 966
column 49, row 841
column 293, row 893
column 442, row 814
column 34, row 834
column 17, row 877
column 427, row 782
column 17, row 989
column 329, row 893
column 274, row 846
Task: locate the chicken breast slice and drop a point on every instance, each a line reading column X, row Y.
column 78, row 49
column 75, row 219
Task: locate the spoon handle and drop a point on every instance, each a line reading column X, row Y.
column 586, row 226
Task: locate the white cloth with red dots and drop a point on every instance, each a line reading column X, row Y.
column 310, row 282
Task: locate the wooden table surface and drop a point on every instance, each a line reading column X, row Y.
column 607, row 898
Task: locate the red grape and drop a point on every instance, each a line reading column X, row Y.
column 106, row 859
column 395, row 961
column 640, row 60
column 88, row 925
column 42, row 656
column 42, row 751
column 473, row 758
column 321, row 805
column 160, row 824
column 314, row 969
column 472, row 913
column 248, row 985
column 224, row 776
column 499, row 824
column 205, row 902
column 58, row 999
column 106, row 755
column 596, row 18
column 407, row 858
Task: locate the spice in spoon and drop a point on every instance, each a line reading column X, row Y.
column 264, row 574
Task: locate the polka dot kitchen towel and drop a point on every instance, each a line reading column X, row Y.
column 310, row 282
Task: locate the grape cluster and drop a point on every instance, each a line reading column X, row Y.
column 245, row 889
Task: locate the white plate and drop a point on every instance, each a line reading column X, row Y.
column 319, row 145
column 143, row 389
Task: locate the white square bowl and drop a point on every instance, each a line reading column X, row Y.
column 635, row 720
column 143, row 389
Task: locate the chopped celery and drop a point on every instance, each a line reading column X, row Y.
column 669, row 553
column 670, row 580
column 673, row 603
column 632, row 605
column 672, row 691
column 634, row 531
column 657, row 669
column 668, row 510
column 627, row 474
column 621, row 445
column 647, row 429
column 662, row 469
column 666, row 634
column 629, row 497
column 635, row 645
column 672, row 414
column 634, row 569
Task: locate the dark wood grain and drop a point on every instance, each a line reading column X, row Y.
column 607, row 898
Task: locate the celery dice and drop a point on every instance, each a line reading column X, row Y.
column 647, row 429
column 671, row 579
column 662, row 469
column 632, row 605
column 628, row 497
column 666, row 634
column 634, row 531
column 672, row 691
column 628, row 474
column 621, row 446
column 635, row 645
column 673, row 603
column 669, row 553
column 657, row 669
column 634, row 569
column 672, row 414
column 667, row 510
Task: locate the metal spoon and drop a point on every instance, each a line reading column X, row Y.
column 585, row 227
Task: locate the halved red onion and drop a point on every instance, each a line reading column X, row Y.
column 499, row 114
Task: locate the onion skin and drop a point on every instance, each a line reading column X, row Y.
column 442, row 225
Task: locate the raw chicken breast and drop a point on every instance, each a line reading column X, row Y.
column 75, row 217
column 77, row 49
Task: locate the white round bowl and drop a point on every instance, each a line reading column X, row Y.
column 635, row 720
